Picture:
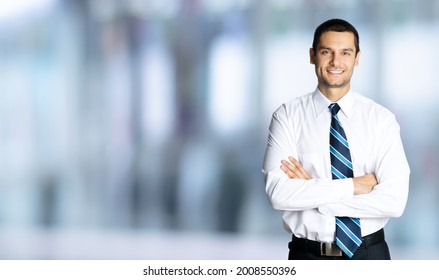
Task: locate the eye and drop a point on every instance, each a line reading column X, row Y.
column 346, row 53
column 324, row 52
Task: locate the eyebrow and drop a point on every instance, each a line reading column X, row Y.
column 328, row 48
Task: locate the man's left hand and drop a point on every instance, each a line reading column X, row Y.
column 294, row 169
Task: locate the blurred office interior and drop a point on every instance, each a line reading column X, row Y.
column 136, row 129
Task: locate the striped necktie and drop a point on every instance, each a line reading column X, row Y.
column 347, row 230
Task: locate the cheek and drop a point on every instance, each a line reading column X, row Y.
column 320, row 65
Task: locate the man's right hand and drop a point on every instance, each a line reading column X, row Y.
column 364, row 184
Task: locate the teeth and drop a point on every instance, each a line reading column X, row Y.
column 335, row 72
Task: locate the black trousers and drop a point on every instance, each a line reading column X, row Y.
column 374, row 247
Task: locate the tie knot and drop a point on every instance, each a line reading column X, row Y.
column 334, row 107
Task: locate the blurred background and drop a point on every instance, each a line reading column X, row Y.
column 136, row 129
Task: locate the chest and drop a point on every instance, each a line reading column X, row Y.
column 312, row 143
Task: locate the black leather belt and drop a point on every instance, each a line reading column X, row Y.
column 331, row 249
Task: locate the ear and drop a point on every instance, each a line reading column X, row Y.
column 311, row 56
column 357, row 58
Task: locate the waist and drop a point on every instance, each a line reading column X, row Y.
column 312, row 225
column 331, row 249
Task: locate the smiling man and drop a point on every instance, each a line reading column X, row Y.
column 335, row 164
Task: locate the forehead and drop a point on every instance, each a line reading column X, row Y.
column 337, row 40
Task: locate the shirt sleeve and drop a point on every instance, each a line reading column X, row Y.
column 295, row 194
column 389, row 196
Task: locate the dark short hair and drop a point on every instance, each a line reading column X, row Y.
column 337, row 25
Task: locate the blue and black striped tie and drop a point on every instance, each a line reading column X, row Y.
column 347, row 230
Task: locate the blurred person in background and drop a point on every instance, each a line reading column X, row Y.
column 334, row 163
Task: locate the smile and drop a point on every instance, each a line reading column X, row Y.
column 335, row 72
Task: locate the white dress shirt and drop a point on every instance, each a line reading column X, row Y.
column 300, row 128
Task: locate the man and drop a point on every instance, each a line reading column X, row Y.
column 334, row 163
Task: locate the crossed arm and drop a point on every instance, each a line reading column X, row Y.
column 294, row 170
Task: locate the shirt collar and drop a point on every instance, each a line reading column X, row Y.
column 321, row 103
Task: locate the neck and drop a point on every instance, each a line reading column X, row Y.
column 332, row 93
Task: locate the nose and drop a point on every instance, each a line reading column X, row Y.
column 335, row 59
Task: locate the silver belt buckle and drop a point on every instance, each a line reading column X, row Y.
column 330, row 249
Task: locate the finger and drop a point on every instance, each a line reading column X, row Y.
column 290, row 166
column 288, row 172
column 295, row 161
column 300, row 168
column 292, row 170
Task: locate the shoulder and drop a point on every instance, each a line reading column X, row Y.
column 370, row 105
column 298, row 104
column 372, row 111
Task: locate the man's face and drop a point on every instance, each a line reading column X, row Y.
column 335, row 60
